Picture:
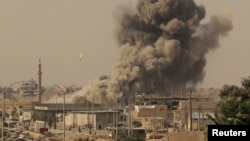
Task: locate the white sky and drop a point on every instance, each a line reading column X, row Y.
column 57, row 31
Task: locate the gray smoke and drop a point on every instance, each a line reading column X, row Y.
column 162, row 43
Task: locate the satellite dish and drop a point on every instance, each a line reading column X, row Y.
column 81, row 56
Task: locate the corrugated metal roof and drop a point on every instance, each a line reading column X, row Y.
column 195, row 115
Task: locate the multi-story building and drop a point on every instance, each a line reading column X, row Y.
column 28, row 88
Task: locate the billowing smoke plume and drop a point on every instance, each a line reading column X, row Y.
column 161, row 44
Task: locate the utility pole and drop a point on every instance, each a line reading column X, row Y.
column 114, row 122
column 131, row 107
column 154, row 124
column 88, row 127
column 63, row 90
column 199, row 121
column 3, row 111
column 190, row 108
column 56, row 115
column 129, row 111
column 3, row 107
column 93, row 118
column 116, row 119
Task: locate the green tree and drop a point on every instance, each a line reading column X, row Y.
column 137, row 124
column 234, row 108
column 245, row 82
column 233, row 90
column 232, row 111
column 134, row 136
column 228, row 90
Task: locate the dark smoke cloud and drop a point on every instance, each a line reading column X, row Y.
column 161, row 44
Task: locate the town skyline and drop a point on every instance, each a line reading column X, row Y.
column 58, row 32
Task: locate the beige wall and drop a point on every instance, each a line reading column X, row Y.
column 182, row 115
column 100, row 120
column 158, row 111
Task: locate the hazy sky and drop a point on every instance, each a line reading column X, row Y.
column 57, row 31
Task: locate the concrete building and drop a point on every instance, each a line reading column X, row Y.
column 96, row 119
column 151, row 116
column 18, row 112
column 159, row 111
column 199, row 111
column 28, row 88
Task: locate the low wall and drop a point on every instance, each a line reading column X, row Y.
column 187, row 136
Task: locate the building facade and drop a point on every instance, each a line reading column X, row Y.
column 28, row 88
column 95, row 119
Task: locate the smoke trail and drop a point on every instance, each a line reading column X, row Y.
column 161, row 44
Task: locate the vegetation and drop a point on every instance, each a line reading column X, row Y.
column 137, row 124
column 234, row 107
column 246, row 82
column 233, row 110
column 133, row 136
